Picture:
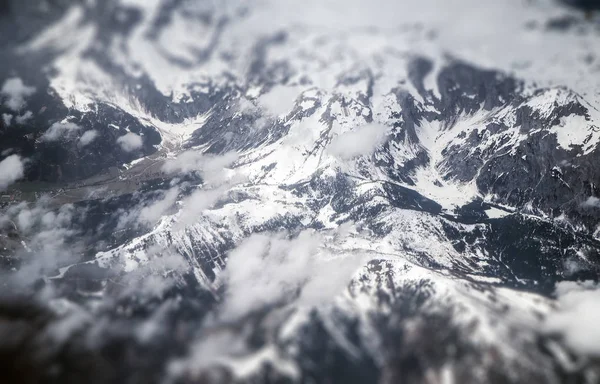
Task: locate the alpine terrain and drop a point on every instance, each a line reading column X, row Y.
column 277, row 191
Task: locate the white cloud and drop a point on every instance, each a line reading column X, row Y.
column 130, row 142
column 151, row 277
column 215, row 348
column 221, row 347
column 15, row 93
column 7, row 118
column 45, row 233
column 11, row 170
column 362, row 141
column 577, row 317
column 73, row 320
column 149, row 213
column 209, row 166
column 573, row 265
column 40, row 217
column 60, row 130
column 22, row 119
column 88, row 137
column 591, row 202
column 196, row 203
column 217, row 179
column 266, row 269
column 26, row 219
column 280, row 100
column 153, row 327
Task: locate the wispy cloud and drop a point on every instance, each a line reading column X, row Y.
column 60, row 130
column 194, row 205
column 148, row 213
column 7, row 119
column 48, row 237
column 217, row 178
column 591, row 202
column 11, row 169
column 22, row 119
column 88, row 137
column 268, row 268
column 280, row 100
column 15, row 92
column 577, row 317
column 359, row 142
column 210, row 167
column 266, row 271
column 130, row 142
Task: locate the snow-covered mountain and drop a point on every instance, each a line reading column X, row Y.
column 283, row 192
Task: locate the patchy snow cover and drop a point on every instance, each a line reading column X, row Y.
column 495, row 213
column 334, row 128
column 360, row 142
column 11, row 169
column 430, row 180
column 578, row 131
column 15, row 92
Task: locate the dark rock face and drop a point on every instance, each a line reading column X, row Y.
column 65, row 159
column 465, row 88
column 583, row 4
column 57, row 161
column 516, row 174
column 118, row 353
